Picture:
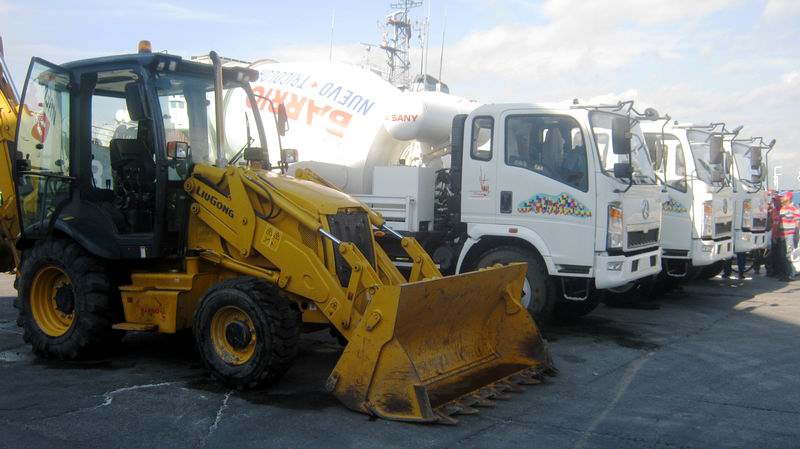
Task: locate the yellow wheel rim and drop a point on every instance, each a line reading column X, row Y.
column 52, row 301
column 233, row 335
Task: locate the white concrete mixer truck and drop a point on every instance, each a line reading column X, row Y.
column 567, row 188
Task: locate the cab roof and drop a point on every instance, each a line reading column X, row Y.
column 157, row 61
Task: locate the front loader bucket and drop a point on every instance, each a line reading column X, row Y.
column 430, row 349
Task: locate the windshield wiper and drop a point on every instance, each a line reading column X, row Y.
column 246, row 145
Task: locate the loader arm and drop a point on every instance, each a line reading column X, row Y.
column 9, row 219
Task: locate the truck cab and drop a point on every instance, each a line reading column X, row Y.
column 549, row 172
column 698, row 213
column 750, row 198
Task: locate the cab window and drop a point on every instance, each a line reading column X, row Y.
column 482, row 133
column 672, row 162
column 549, row 145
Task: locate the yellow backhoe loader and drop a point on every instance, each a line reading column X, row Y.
column 132, row 203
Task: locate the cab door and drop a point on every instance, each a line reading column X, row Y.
column 478, row 178
column 543, row 180
column 43, row 171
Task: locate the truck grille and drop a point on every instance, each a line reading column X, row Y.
column 352, row 227
column 637, row 239
column 722, row 228
column 759, row 224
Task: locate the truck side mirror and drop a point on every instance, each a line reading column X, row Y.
column 177, row 150
column 623, row 170
column 715, row 150
column 755, row 158
column 621, row 135
column 283, row 120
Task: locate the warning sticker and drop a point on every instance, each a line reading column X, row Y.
column 272, row 238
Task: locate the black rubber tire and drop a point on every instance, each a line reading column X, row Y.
column 7, row 262
column 277, row 326
column 98, row 304
column 544, row 290
column 569, row 310
column 710, row 271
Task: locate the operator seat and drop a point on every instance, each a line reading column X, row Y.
column 132, row 159
column 133, row 164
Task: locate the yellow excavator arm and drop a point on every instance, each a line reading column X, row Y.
column 9, row 222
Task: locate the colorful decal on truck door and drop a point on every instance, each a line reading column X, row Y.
column 563, row 204
column 674, row 206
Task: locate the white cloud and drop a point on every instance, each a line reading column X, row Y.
column 587, row 36
column 781, row 8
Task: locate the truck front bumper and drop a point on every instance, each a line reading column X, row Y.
column 747, row 241
column 615, row 271
column 706, row 252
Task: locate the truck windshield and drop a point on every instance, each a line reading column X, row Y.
column 187, row 108
column 750, row 177
column 700, row 144
column 640, row 158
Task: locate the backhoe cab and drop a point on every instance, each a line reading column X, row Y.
column 142, row 207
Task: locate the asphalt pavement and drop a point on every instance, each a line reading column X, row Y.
column 716, row 365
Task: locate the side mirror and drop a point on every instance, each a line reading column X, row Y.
column 623, row 170
column 283, row 120
column 621, row 135
column 755, row 158
column 135, row 102
column 715, row 150
column 651, row 114
column 290, row 155
column 177, row 150
column 254, row 154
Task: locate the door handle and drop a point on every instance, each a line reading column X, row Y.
column 505, row 201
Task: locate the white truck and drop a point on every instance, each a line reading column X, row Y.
column 569, row 189
column 751, row 202
column 698, row 213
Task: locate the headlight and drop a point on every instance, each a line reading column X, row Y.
column 615, row 232
column 747, row 215
column 708, row 221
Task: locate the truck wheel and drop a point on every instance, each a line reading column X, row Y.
column 539, row 292
column 569, row 310
column 246, row 332
column 67, row 301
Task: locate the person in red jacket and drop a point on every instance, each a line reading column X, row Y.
column 787, row 229
column 778, row 247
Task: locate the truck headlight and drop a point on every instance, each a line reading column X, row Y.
column 615, row 229
column 708, row 221
column 747, row 215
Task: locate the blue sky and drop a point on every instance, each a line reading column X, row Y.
column 698, row 60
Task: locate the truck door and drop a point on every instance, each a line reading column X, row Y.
column 478, row 179
column 44, row 182
column 543, row 181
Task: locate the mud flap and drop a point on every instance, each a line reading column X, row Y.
column 429, row 349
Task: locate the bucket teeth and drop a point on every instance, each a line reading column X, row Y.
column 525, row 379
column 459, row 408
column 492, row 392
column 446, row 419
column 486, row 396
column 512, row 387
